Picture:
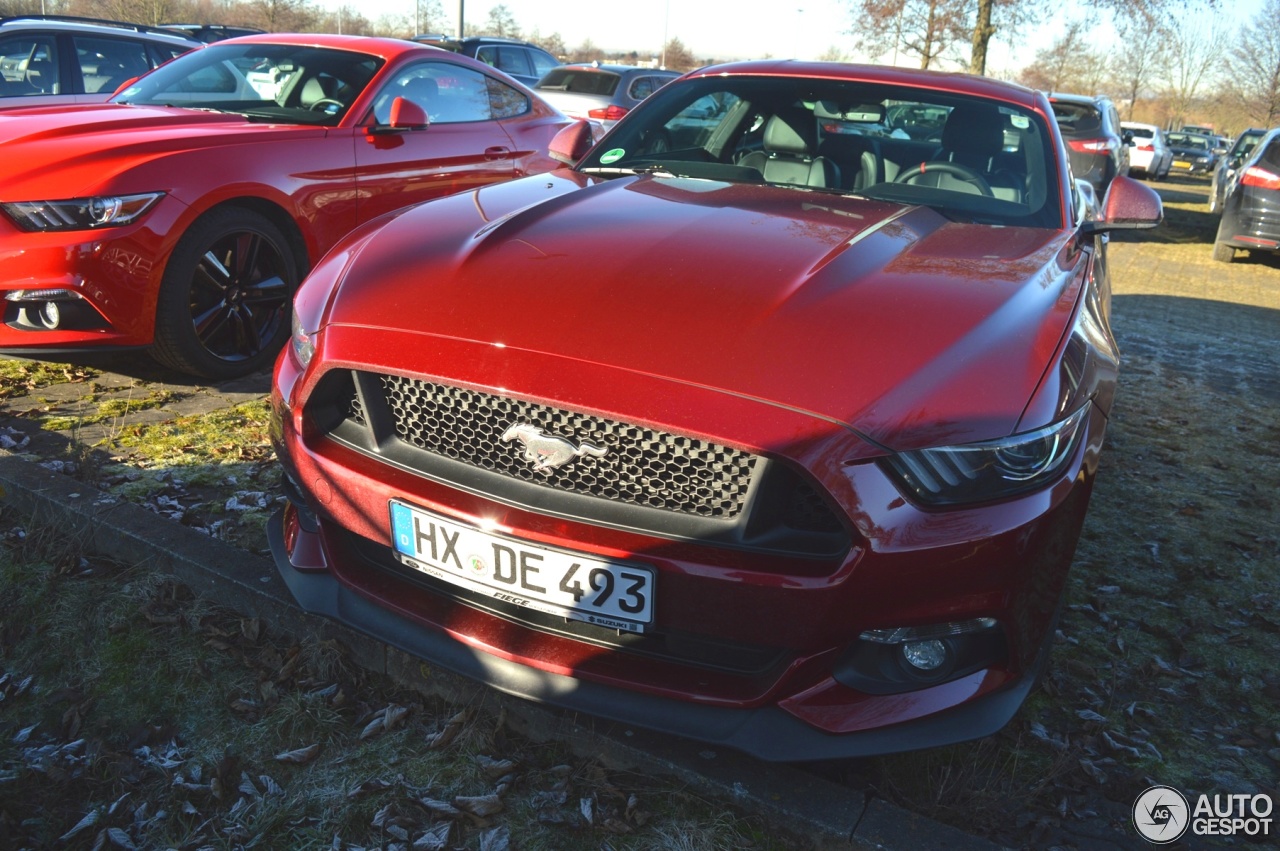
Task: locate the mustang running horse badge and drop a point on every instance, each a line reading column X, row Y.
column 547, row 452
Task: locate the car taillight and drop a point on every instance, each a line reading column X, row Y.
column 610, row 113
column 1091, row 146
column 1260, row 177
column 1144, row 147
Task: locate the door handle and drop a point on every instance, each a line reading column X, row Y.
column 497, row 152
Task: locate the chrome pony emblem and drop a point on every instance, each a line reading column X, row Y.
column 547, row 452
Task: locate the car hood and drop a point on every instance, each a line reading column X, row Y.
column 908, row 328
column 56, row 152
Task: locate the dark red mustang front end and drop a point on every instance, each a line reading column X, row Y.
column 772, row 422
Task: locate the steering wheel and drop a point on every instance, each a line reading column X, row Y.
column 319, row 106
column 956, row 170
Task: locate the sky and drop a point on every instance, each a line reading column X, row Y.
column 741, row 29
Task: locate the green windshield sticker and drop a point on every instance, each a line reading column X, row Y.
column 612, row 156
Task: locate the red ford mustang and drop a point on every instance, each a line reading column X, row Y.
column 182, row 214
column 772, row 422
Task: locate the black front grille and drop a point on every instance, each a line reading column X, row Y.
column 640, row 467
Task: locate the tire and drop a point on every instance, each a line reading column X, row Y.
column 226, row 296
column 1213, row 200
column 1223, row 253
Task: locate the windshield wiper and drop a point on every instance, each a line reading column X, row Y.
column 614, row 171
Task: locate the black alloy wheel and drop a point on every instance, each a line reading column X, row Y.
column 227, row 293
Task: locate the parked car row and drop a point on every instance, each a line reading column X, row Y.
column 641, row 427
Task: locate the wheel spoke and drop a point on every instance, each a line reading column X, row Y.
column 272, row 290
column 245, row 259
column 209, row 323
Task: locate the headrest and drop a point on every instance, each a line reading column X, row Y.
column 790, row 132
column 976, row 130
column 419, row 89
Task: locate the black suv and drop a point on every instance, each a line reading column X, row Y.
column 1096, row 145
column 519, row 59
column 53, row 59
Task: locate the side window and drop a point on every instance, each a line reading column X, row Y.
column 29, row 66
column 488, row 55
column 105, row 63
column 504, row 101
column 449, row 93
column 542, row 62
column 642, row 88
column 158, row 54
column 515, row 61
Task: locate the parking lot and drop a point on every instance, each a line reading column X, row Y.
column 1164, row 669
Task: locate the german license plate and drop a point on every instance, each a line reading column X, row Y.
column 1181, row 164
column 615, row 595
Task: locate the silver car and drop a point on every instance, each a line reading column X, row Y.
column 599, row 93
column 53, row 59
column 1149, row 153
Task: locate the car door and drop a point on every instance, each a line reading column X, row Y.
column 463, row 145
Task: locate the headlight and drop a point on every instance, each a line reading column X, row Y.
column 303, row 341
column 80, row 213
column 993, row 469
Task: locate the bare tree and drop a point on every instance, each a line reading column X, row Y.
column 677, row 56
column 281, row 15
column 1254, row 67
column 1137, row 63
column 922, row 28
column 1070, row 64
column 553, row 44
column 833, row 54
column 993, row 17
column 1191, row 53
column 502, row 22
column 587, row 52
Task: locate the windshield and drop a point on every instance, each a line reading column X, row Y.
column 968, row 158
column 1191, row 143
column 273, row 82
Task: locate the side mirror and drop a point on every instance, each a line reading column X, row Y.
column 1128, row 137
column 1128, row 206
column 126, row 84
column 405, row 115
column 571, row 143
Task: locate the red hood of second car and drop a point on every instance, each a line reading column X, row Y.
column 71, row 151
column 911, row 329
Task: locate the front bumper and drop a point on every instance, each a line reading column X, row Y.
column 104, row 284
column 767, row 732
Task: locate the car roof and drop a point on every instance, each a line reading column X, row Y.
column 1139, row 124
column 941, row 81
column 387, row 48
column 97, row 26
column 618, row 69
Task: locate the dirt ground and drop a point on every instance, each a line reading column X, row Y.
column 1164, row 670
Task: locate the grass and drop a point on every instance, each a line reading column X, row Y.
column 163, row 720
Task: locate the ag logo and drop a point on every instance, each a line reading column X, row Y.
column 1161, row 815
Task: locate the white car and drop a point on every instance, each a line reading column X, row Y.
column 1148, row 151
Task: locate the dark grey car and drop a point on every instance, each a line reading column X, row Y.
column 1251, row 204
column 1228, row 165
column 519, row 60
column 1096, row 144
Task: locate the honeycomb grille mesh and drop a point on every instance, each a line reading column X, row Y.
column 641, row 467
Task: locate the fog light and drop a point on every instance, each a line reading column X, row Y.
column 925, row 655
column 50, row 315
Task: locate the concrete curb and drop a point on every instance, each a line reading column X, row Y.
column 824, row 815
